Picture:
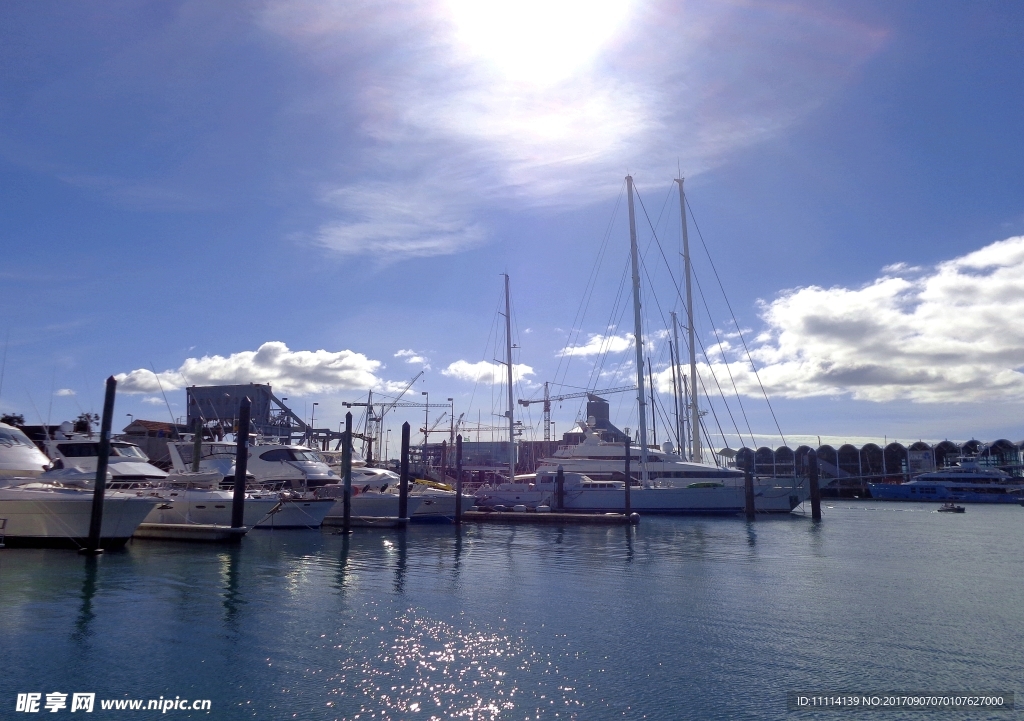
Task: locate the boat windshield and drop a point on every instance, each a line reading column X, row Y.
column 129, row 450
column 13, row 437
column 302, row 455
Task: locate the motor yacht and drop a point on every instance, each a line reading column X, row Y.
column 127, row 464
column 435, row 502
column 966, row 482
column 54, row 508
column 695, row 483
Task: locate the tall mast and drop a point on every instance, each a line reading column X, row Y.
column 694, row 412
column 508, row 357
column 547, row 413
column 638, row 334
column 676, row 384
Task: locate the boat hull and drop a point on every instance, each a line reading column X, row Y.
column 720, row 500
column 56, row 519
column 214, row 508
column 374, row 505
column 438, row 507
column 942, row 494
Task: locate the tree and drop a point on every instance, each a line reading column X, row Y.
column 13, row 419
column 83, row 424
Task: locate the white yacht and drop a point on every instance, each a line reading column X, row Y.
column 19, row 456
column 294, row 475
column 601, row 460
column 582, row 493
column 40, row 509
column 127, row 464
column 187, row 497
column 435, row 501
column 273, row 465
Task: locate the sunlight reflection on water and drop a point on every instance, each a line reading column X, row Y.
column 679, row 617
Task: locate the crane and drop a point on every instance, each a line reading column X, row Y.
column 547, row 399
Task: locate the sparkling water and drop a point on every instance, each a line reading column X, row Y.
column 677, row 618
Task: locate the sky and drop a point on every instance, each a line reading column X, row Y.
column 325, row 195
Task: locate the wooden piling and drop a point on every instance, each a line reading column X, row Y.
column 629, row 444
column 100, row 487
column 403, row 486
column 812, row 480
column 241, row 462
column 560, row 489
column 458, row 480
column 748, row 489
column 346, row 469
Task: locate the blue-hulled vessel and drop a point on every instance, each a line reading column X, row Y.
column 968, row 482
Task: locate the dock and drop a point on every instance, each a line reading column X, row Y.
column 366, row 522
column 196, row 532
column 595, row 519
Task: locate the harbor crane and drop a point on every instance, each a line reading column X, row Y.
column 548, row 399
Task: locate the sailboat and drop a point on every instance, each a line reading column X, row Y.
column 677, row 485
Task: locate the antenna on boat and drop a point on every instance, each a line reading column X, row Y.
column 174, row 423
column 638, row 334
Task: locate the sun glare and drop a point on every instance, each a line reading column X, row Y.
column 537, row 41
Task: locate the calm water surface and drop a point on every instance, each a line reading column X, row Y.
column 676, row 618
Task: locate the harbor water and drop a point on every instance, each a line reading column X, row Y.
column 675, row 618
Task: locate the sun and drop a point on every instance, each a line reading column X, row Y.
column 540, row 42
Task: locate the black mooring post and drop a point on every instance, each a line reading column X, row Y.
column 100, row 487
column 197, row 443
column 346, row 470
column 812, row 480
column 560, row 489
column 444, row 461
column 748, row 488
column 458, row 480
column 629, row 443
column 241, row 463
column 403, row 486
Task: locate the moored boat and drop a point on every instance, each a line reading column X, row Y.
column 40, row 508
column 967, row 482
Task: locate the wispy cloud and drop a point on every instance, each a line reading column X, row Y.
column 394, row 222
column 65, row 392
column 300, row 372
column 465, row 105
column 153, row 400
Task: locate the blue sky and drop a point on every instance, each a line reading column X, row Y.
column 185, row 182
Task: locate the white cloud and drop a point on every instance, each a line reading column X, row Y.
column 486, row 371
column 597, row 344
column 65, row 392
column 153, row 400
column 299, row 372
column 949, row 334
column 411, row 356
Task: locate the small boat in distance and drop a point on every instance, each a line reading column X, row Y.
column 951, row 508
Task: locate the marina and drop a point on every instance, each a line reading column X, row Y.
column 505, row 361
